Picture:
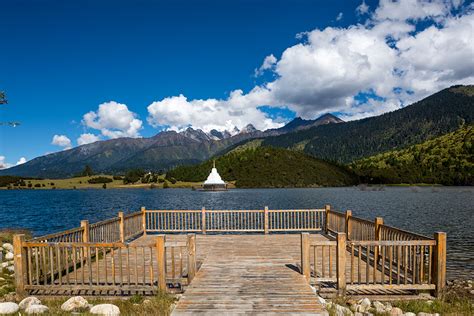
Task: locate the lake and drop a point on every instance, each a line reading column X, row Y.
column 419, row 209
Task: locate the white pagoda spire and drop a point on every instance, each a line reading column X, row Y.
column 214, row 178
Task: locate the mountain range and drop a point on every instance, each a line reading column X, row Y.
column 327, row 138
column 163, row 151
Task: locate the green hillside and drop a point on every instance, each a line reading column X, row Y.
column 447, row 160
column 436, row 115
column 269, row 168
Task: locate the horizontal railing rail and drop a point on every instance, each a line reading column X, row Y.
column 263, row 220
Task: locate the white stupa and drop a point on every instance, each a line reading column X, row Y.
column 214, row 181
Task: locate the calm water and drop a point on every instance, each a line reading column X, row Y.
column 424, row 210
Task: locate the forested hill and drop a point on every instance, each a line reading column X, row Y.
column 447, row 160
column 433, row 116
column 266, row 167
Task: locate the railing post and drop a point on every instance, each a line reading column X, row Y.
column 203, row 220
column 266, row 220
column 305, row 260
column 20, row 262
column 326, row 219
column 85, row 231
column 161, row 259
column 143, row 220
column 439, row 260
column 348, row 224
column 191, row 244
column 121, row 227
column 378, row 231
column 378, row 236
column 341, row 263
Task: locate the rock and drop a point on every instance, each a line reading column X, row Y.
column 27, row 302
column 8, row 308
column 9, row 256
column 321, row 300
column 396, row 312
column 379, row 307
column 388, row 307
column 358, row 314
column 105, row 309
column 146, row 301
column 429, row 302
column 36, row 309
column 424, row 314
column 343, row 311
column 409, row 314
column 471, row 292
column 11, row 268
column 75, row 303
column 4, row 264
column 364, row 305
column 8, row 247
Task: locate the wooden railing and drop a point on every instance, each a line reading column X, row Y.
column 103, row 266
column 378, row 256
column 205, row 221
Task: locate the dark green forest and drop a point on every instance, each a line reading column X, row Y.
column 436, row 115
column 447, row 160
column 268, row 167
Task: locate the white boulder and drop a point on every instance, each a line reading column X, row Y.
column 4, row 264
column 409, row 314
column 36, row 309
column 396, row 312
column 27, row 302
column 75, row 303
column 379, row 307
column 9, row 256
column 105, row 309
column 8, row 247
column 8, row 308
column 364, row 305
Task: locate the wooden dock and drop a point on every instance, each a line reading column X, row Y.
column 234, row 261
column 247, row 274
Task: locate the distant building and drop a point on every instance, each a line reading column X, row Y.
column 214, row 181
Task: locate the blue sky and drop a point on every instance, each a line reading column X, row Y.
column 61, row 59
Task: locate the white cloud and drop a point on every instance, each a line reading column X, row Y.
column 391, row 59
column 21, row 161
column 237, row 110
column 339, row 16
column 267, row 64
column 413, row 9
column 362, row 9
column 113, row 120
column 3, row 163
column 62, row 141
column 87, row 138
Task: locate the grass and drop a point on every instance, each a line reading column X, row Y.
column 159, row 304
column 452, row 303
column 82, row 183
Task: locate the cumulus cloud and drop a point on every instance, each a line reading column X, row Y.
column 3, row 163
column 267, row 64
column 62, row 141
column 21, row 161
column 113, row 120
column 238, row 110
column 403, row 51
column 87, row 138
column 362, row 9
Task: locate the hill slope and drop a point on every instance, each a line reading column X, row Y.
column 447, row 160
column 433, row 116
column 269, row 168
